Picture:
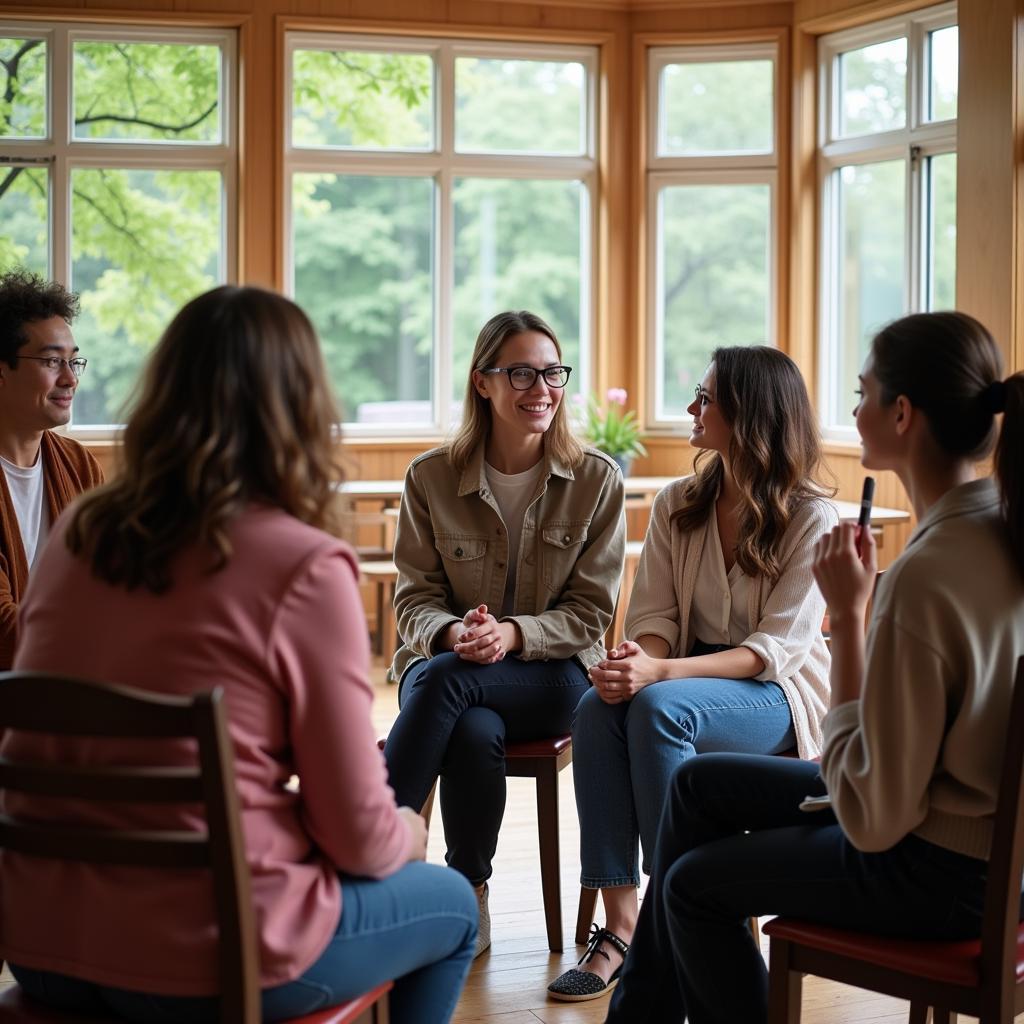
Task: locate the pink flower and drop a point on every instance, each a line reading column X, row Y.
column 578, row 400
column 617, row 395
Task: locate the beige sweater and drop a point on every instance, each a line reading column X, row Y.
column 784, row 617
column 921, row 751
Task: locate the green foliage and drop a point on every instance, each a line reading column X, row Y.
column 717, row 107
column 715, row 284
column 607, row 427
column 146, row 91
column 873, row 88
column 23, row 99
column 365, row 100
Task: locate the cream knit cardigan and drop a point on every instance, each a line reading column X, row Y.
column 784, row 617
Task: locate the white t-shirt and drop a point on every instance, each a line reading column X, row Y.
column 26, row 487
column 512, row 494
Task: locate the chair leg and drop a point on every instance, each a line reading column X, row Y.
column 547, row 832
column 755, row 930
column 389, row 629
column 920, row 1013
column 381, row 1010
column 585, row 915
column 785, row 986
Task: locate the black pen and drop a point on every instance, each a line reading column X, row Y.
column 864, row 519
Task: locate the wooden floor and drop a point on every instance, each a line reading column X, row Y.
column 507, row 983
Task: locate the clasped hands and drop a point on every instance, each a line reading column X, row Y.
column 624, row 673
column 480, row 637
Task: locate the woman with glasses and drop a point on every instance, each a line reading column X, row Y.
column 509, row 548
column 206, row 563
column 725, row 650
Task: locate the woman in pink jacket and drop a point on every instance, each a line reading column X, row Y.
column 205, row 564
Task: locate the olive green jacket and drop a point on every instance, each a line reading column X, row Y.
column 451, row 550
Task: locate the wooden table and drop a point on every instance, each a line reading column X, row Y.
column 642, row 490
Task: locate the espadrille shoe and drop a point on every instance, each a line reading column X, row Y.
column 577, row 986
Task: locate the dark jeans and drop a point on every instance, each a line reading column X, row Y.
column 455, row 718
column 692, row 954
column 417, row 926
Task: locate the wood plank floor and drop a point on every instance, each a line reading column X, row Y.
column 507, row 984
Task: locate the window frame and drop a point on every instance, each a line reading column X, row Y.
column 61, row 154
column 444, row 165
column 662, row 172
column 915, row 143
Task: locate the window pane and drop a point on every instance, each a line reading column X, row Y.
column 873, row 88
column 518, row 245
column 519, row 106
column 942, row 232
column 943, row 79
column 24, row 201
column 871, row 255
column 22, row 88
column 363, row 251
column 360, row 100
column 146, row 92
column 713, row 279
column 143, row 243
column 722, row 107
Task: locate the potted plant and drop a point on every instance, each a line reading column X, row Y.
column 608, row 427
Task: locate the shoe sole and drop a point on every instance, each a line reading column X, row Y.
column 565, row 998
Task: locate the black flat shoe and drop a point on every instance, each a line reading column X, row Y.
column 577, row 986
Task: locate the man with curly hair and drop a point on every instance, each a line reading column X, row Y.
column 42, row 471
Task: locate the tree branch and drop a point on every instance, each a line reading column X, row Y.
column 11, row 67
column 9, row 180
column 176, row 128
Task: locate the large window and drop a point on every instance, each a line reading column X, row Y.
column 117, row 177
column 712, row 164
column 887, row 163
column 431, row 184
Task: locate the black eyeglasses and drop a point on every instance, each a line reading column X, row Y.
column 702, row 396
column 522, row 378
column 54, row 363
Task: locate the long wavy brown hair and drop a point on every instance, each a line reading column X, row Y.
column 234, row 408
column 476, row 410
column 774, row 453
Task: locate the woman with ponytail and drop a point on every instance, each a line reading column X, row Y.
column 914, row 738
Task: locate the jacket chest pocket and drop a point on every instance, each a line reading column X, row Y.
column 463, row 559
column 560, row 547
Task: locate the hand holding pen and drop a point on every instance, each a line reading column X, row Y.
column 845, row 564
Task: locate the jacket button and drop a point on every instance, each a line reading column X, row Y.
column 566, row 539
column 458, row 552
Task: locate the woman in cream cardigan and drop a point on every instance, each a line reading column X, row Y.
column 914, row 739
column 725, row 650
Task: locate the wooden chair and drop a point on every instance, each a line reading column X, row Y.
column 36, row 702
column 983, row 978
column 384, row 577
column 541, row 760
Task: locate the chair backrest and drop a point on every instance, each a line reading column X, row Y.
column 1001, row 920
column 37, row 702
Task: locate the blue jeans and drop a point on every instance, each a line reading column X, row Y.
column 734, row 844
column 455, row 718
column 624, row 756
column 418, row 926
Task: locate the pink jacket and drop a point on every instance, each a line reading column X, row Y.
column 281, row 629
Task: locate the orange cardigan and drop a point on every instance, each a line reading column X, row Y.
column 68, row 470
